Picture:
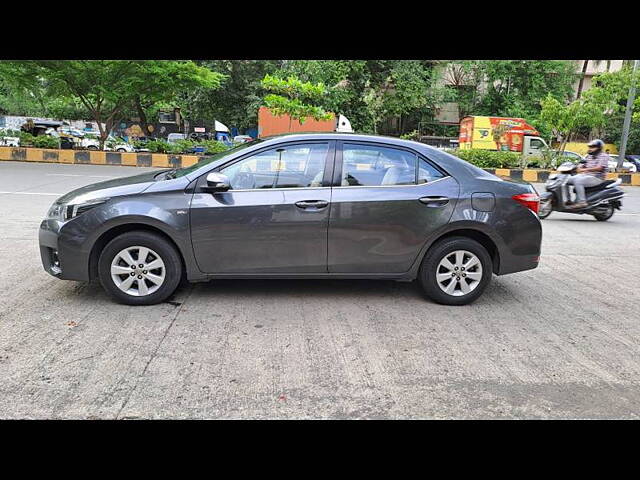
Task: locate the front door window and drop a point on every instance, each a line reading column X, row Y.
column 291, row 166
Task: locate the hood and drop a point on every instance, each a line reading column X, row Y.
column 111, row 188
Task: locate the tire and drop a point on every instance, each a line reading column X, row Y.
column 432, row 265
column 545, row 209
column 159, row 283
column 603, row 217
column 121, row 150
column 92, row 147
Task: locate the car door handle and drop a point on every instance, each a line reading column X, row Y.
column 434, row 201
column 317, row 204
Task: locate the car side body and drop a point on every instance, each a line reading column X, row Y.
column 381, row 232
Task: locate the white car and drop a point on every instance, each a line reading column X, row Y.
column 175, row 137
column 613, row 164
column 242, row 139
column 9, row 141
column 94, row 144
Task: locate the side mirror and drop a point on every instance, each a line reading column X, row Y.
column 217, row 182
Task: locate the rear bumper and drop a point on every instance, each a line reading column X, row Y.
column 522, row 246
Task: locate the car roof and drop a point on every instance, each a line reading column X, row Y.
column 346, row 137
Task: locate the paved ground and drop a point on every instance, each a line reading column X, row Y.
column 560, row 341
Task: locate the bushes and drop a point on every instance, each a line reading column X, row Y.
column 182, row 146
column 488, row 158
column 45, row 141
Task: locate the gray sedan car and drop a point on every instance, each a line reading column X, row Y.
column 298, row 206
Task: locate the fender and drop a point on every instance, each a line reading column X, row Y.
column 452, row 227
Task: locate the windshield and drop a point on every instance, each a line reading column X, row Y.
column 181, row 172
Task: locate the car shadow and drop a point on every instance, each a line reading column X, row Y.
column 305, row 288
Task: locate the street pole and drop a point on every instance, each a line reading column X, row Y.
column 627, row 116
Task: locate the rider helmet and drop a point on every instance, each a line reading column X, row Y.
column 597, row 145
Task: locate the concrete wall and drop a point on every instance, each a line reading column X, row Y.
column 97, row 158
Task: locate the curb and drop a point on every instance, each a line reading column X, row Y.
column 163, row 160
column 92, row 157
column 541, row 176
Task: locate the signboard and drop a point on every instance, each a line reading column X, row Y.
column 494, row 133
column 199, row 129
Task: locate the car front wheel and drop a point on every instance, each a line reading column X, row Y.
column 455, row 271
column 140, row 268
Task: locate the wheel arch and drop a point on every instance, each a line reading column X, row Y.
column 474, row 234
column 117, row 230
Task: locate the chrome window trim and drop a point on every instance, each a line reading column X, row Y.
column 342, row 186
column 395, row 186
column 274, row 189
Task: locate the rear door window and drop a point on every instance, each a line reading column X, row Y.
column 375, row 166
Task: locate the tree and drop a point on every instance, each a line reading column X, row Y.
column 585, row 64
column 590, row 111
column 237, row 102
column 158, row 83
column 293, row 97
column 107, row 89
column 367, row 91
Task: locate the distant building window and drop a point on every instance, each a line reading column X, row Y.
column 166, row 117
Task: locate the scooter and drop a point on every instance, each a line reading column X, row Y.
column 602, row 200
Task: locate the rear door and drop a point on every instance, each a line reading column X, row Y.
column 385, row 203
column 274, row 219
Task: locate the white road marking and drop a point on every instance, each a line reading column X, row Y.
column 30, row 193
column 71, row 175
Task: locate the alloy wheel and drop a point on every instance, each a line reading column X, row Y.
column 138, row 271
column 459, row 273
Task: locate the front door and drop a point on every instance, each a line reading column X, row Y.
column 533, row 146
column 388, row 202
column 274, row 219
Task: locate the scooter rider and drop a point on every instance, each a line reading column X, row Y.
column 593, row 173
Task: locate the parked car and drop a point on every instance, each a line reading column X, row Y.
column 242, row 139
column 10, row 140
column 570, row 156
column 635, row 159
column 94, row 144
column 73, row 132
column 175, row 137
column 326, row 205
column 613, row 164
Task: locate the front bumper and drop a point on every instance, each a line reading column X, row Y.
column 61, row 256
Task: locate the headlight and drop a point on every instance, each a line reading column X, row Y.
column 55, row 212
column 64, row 212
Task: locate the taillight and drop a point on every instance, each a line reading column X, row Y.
column 529, row 200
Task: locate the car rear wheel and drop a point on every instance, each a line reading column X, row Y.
column 139, row 268
column 455, row 271
column 92, row 147
column 121, row 150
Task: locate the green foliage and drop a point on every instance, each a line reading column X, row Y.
column 239, row 97
column 488, row 158
column 367, row 91
column 413, row 135
column 45, row 141
column 185, row 146
column 213, row 146
column 589, row 111
column 616, row 86
column 9, row 133
column 293, row 97
column 510, row 88
column 106, row 89
column 26, row 139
